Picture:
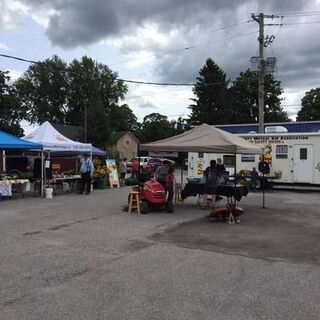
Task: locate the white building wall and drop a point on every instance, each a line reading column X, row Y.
column 280, row 161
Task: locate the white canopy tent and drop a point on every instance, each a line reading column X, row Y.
column 204, row 138
column 53, row 140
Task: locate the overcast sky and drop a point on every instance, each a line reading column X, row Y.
column 146, row 40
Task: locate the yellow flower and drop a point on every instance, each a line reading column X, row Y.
column 102, row 171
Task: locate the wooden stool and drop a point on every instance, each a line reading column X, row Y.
column 177, row 194
column 231, row 219
column 134, row 202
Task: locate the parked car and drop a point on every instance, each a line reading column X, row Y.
column 153, row 164
column 143, row 161
column 20, row 166
column 171, row 162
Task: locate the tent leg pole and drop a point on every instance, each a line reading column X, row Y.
column 139, row 163
column 181, row 173
column 235, row 170
column 3, row 161
column 42, row 175
column 263, row 191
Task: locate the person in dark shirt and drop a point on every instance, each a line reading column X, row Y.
column 220, row 167
column 170, row 186
column 264, row 169
column 161, row 173
column 221, row 171
column 211, row 176
column 263, row 166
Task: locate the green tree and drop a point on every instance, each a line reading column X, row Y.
column 11, row 112
column 211, row 103
column 180, row 125
column 310, row 110
column 123, row 119
column 59, row 92
column 244, row 99
column 42, row 90
column 155, row 127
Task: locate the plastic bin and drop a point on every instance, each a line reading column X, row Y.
column 49, row 192
column 66, row 187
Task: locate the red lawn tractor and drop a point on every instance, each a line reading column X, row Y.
column 152, row 196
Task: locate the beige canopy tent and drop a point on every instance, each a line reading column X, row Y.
column 204, row 138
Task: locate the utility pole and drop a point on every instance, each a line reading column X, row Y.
column 259, row 18
column 85, row 125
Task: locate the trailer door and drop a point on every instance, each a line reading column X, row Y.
column 303, row 163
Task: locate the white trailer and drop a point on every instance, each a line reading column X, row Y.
column 295, row 157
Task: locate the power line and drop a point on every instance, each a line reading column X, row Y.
column 186, row 48
column 296, row 23
column 303, row 13
column 172, row 51
column 18, row 58
column 205, row 32
column 157, row 83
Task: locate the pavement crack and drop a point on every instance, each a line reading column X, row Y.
column 13, row 301
column 31, row 233
column 59, row 226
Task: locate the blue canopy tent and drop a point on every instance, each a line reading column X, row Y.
column 95, row 152
column 98, row 152
column 7, row 141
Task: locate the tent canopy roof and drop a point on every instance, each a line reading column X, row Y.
column 204, row 138
column 95, row 152
column 53, row 140
column 7, row 141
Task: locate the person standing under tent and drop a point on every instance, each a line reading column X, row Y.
column 170, row 187
column 123, row 171
column 221, row 170
column 254, row 179
column 211, row 176
column 161, row 173
column 86, row 171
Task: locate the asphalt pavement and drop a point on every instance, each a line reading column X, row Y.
column 83, row 257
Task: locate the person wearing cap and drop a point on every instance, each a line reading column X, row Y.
column 86, row 171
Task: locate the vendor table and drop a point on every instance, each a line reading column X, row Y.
column 233, row 193
column 8, row 186
column 57, row 181
column 197, row 189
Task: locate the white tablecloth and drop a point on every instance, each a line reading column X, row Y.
column 6, row 186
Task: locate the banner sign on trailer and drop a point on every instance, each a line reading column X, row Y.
column 163, row 154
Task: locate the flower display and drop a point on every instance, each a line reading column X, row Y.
column 102, row 171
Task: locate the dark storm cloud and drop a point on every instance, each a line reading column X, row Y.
column 81, row 22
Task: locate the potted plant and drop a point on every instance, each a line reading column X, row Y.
column 102, row 176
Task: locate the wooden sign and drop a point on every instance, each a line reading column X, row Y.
column 113, row 175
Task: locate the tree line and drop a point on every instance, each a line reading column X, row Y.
column 60, row 92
